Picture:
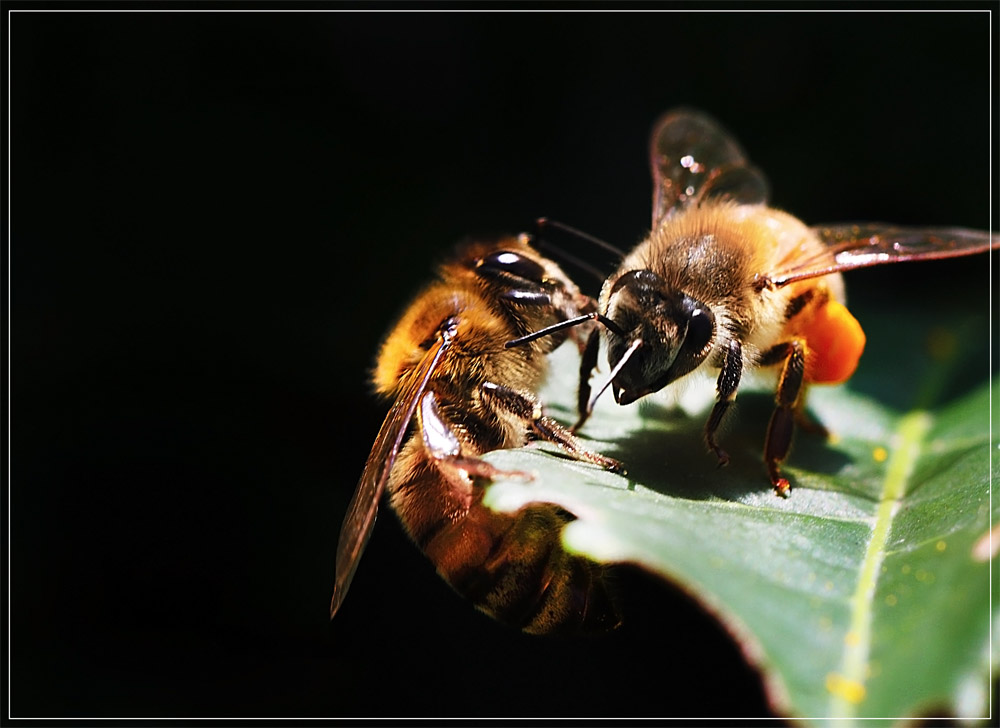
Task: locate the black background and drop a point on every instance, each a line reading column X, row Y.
column 216, row 216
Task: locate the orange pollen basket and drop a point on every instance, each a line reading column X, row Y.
column 835, row 342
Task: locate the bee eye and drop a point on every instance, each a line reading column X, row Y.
column 513, row 264
column 701, row 324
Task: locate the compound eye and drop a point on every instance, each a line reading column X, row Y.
column 515, row 264
column 701, row 324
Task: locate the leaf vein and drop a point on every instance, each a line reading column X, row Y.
column 847, row 687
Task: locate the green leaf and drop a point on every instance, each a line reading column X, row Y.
column 866, row 594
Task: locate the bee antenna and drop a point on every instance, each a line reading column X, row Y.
column 608, row 324
column 548, row 331
column 568, row 323
column 634, row 347
column 560, row 252
column 543, row 222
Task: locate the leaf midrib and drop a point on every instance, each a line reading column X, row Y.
column 847, row 687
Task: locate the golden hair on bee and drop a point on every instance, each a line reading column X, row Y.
column 458, row 393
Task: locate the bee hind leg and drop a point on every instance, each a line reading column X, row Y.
column 782, row 424
column 545, row 427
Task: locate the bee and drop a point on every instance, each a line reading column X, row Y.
column 445, row 366
column 724, row 283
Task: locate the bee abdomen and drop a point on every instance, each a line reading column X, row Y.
column 514, row 568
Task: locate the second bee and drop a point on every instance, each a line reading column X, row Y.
column 447, row 370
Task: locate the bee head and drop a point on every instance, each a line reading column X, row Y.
column 663, row 334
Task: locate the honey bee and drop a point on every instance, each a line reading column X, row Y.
column 448, row 372
column 724, row 283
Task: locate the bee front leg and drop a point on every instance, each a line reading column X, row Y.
column 725, row 387
column 782, row 424
column 528, row 409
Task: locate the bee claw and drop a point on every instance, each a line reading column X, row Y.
column 610, row 464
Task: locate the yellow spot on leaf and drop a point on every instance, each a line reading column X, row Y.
column 905, row 569
column 852, row 638
column 940, row 545
column 880, row 454
column 850, row 690
column 891, row 600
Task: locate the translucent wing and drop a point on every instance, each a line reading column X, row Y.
column 363, row 509
column 693, row 158
column 850, row 246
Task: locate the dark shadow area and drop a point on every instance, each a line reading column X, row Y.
column 505, row 672
column 671, row 457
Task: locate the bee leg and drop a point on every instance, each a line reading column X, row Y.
column 725, row 387
column 588, row 362
column 546, row 428
column 782, row 424
column 444, row 447
column 549, row 429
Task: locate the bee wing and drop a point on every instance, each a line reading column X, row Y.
column 693, row 158
column 363, row 509
column 849, row 246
